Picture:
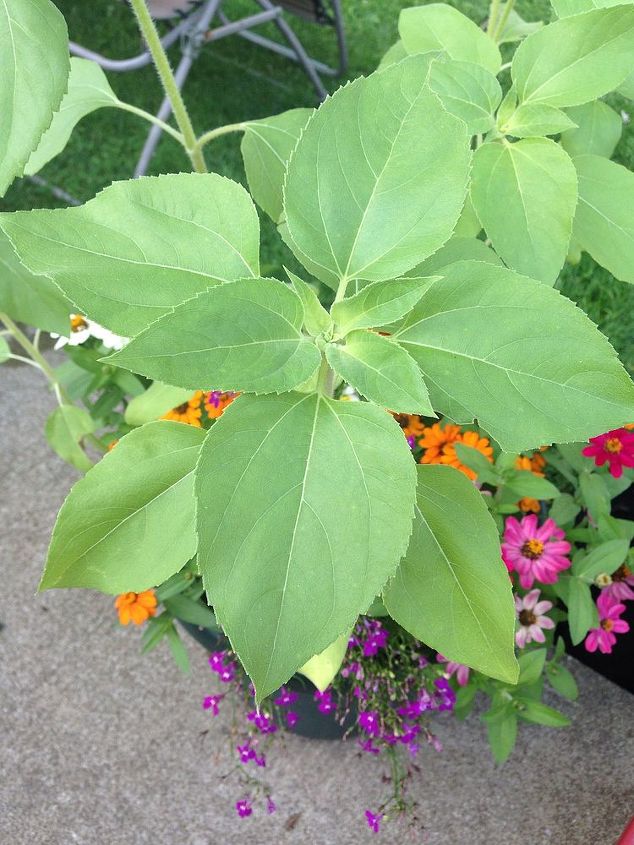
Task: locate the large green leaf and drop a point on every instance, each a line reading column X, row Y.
column 64, row 430
column 576, row 59
column 34, row 70
column 473, row 334
column 379, row 304
column 322, row 668
column 425, row 29
column 515, row 27
column 266, row 147
column 452, row 590
column 304, row 510
column 382, row 371
column 34, row 300
column 582, row 611
column 457, row 249
column 129, row 523
column 156, row 401
column 531, row 120
column 604, row 222
column 468, row 91
column 566, row 8
column 243, row 335
column 378, row 178
column 525, row 195
column 141, row 247
column 598, row 130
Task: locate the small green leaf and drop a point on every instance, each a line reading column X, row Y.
column 456, row 249
column 582, row 611
column 531, row 120
column 304, row 509
column 266, row 148
column 502, row 735
column 64, row 430
column 34, row 66
column 515, row 27
column 157, row 400
column 604, row 222
column 474, row 459
column 188, row 610
column 566, row 8
column 381, row 371
column 564, row 510
column 451, row 589
column 562, row 681
column 598, row 130
column 379, row 304
column 525, row 195
column 576, row 59
column 468, row 91
column 129, row 524
column 531, row 665
column 603, row 559
column 434, row 27
column 526, row 483
column 88, row 90
column 595, row 494
column 322, row 668
column 179, row 652
column 540, row 714
column 243, row 335
column 316, row 318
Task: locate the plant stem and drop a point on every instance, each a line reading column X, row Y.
column 494, row 11
column 499, row 29
column 152, row 119
column 216, row 133
column 164, row 70
column 323, row 378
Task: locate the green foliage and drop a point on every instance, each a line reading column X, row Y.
column 322, row 668
column 64, row 430
column 379, row 304
column 599, row 130
column 156, row 401
column 468, row 91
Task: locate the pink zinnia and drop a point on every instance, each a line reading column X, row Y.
column 532, row 620
column 610, row 624
column 534, row 552
column 458, row 669
column 616, row 448
column 622, row 583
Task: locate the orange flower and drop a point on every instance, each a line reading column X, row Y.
column 528, row 505
column 189, row 412
column 412, row 425
column 474, row 441
column 436, row 439
column 112, row 444
column 216, row 401
column 136, row 607
column 629, row 426
column 535, row 463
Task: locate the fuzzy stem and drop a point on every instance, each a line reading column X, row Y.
column 493, row 16
column 120, row 104
column 216, row 133
column 499, row 29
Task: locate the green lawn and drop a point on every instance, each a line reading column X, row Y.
column 234, row 80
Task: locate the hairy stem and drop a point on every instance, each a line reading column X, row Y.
column 494, row 11
column 151, row 119
column 216, row 133
column 164, row 70
column 499, row 28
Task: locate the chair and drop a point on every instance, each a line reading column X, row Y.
column 192, row 26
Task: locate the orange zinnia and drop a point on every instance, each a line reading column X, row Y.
column 436, row 439
column 412, row 425
column 189, row 412
column 534, row 463
column 528, row 505
column 474, row 441
column 216, row 401
column 136, row 607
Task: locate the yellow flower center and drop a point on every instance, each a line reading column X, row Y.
column 533, row 549
column 77, row 323
column 607, row 624
column 613, row 445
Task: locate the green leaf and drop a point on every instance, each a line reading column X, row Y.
column 474, row 459
column 379, row 304
column 30, row 299
column 378, row 178
column 382, row 371
column 304, row 510
column 526, row 483
column 396, row 53
column 468, row 225
column 516, row 28
column 243, row 335
column 191, row 611
column 530, row 120
column 34, row 66
column 468, row 91
column 157, row 400
column 525, row 195
column 572, row 454
column 594, row 493
column 322, row 668
column 531, row 665
column 598, row 130
column 425, row 29
column 266, row 148
column 129, row 524
column 452, row 590
column 502, row 735
column 605, row 558
column 604, row 222
column 174, row 585
column 582, row 611
column 564, row 510
column 64, row 430
column 576, row 59
column 316, row 318
column 540, row 714
column 456, row 249
column 473, row 336
column 88, row 90
column 627, row 88
column 566, row 8
column 179, row 652
column 562, row 681
column 141, row 247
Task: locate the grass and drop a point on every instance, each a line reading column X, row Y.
column 234, row 80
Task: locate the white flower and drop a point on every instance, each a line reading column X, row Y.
column 531, row 612
column 81, row 329
column 349, row 394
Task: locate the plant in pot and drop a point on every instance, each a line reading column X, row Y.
column 432, row 207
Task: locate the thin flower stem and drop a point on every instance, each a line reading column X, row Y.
column 25, row 360
column 499, row 28
column 164, row 70
column 120, row 104
column 216, row 133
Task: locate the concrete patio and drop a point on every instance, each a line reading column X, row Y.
column 100, row 745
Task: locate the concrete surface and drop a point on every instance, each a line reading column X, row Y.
column 102, row 746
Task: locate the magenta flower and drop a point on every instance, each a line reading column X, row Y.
column 262, row 722
column 245, row 752
column 286, row 698
column 532, row 620
column 368, row 746
column 616, row 448
column 444, row 697
column 376, row 640
column 270, row 805
column 325, row 704
column 369, row 722
column 458, row 669
column 211, row 702
column 291, row 718
column 622, row 583
column 244, row 808
column 217, row 660
column 534, row 552
column 610, row 624
column 373, row 820
column 227, row 673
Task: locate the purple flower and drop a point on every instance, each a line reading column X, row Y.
column 227, row 673
column 368, row 746
column 372, row 645
column 270, row 806
column 260, row 761
column 445, row 696
column 245, row 752
column 244, row 808
column 373, row 820
column 286, row 698
column 211, row 702
column 291, row 718
column 325, row 702
column 262, row 722
column 369, row 722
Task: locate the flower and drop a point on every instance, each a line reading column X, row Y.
column 81, row 329
column 530, row 612
column 211, row 702
column 412, row 425
column 534, row 463
column 621, row 583
column 262, row 722
column 286, row 698
column 444, row 697
column 244, row 808
column 136, row 607
column 291, row 718
column 368, row 746
column 189, row 412
column 325, row 704
column 373, row 638
column 369, row 722
column 458, row 669
column 439, row 444
column 615, row 447
column 474, row 441
column 610, row 624
column 434, row 440
column 216, row 401
column 270, row 805
column 373, row 820
column 535, row 553
column 245, row 752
